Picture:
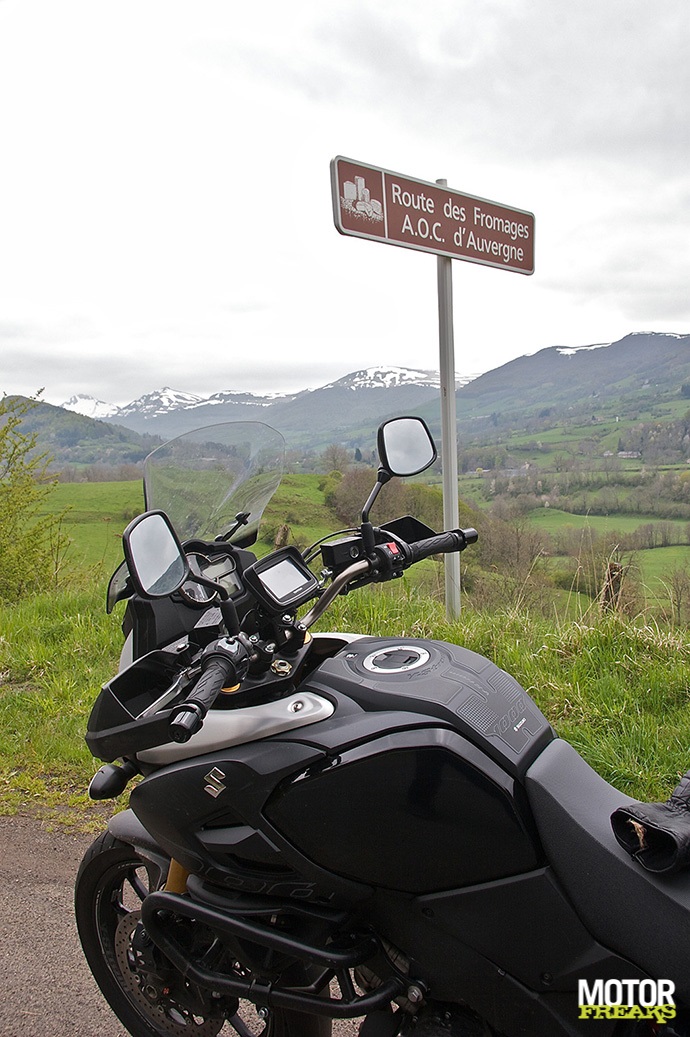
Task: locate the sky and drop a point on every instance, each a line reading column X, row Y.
column 165, row 200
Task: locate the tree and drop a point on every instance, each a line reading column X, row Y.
column 335, row 458
column 351, row 492
column 31, row 544
column 679, row 592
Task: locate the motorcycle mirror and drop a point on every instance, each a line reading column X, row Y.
column 405, row 446
column 156, row 561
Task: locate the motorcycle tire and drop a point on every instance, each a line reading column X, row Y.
column 111, row 884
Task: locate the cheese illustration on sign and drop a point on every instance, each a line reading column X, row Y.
column 356, row 198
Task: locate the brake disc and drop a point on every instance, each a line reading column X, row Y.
column 167, row 1015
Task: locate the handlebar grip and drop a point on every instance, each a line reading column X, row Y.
column 217, row 673
column 442, row 543
column 227, row 661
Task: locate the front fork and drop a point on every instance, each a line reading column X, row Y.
column 176, row 881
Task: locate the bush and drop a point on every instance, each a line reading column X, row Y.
column 31, row 544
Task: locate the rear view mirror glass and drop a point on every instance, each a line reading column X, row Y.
column 156, row 561
column 405, row 446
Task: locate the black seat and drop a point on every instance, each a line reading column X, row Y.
column 643, row 917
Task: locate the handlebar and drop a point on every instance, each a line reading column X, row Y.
column 357, row 569
column 218, row 673
column 442, row 543
column 227, row 662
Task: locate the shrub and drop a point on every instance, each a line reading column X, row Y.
column 31, row 544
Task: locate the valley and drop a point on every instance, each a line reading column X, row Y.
column 569, row 460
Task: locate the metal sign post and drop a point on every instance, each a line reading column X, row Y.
column 375, row 203
column 449, row 446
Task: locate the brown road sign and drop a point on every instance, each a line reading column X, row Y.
column 375, row 203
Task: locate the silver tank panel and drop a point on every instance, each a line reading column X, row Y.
column 227, row 727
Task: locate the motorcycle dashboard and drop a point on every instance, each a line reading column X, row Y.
column 221, row 569
column 281, row 581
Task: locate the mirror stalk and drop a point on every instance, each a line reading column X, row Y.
column 241, row 519
column 226, row 606
column 366, row 527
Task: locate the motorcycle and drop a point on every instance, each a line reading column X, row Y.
column 333, row 826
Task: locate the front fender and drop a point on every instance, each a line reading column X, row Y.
column 127, row 827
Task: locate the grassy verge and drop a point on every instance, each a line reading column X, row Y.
column 55, row 652
column 618, row 691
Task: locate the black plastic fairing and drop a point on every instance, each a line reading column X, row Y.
column 182, row 804
column 527, row 925
column 207, row 812
column 417, row 809
column 113, row 727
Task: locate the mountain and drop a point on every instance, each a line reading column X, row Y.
column 385, row 378
column 559, row 376
column 644, row 373
column 156, row 404
column 90, row 407
column 311, row 418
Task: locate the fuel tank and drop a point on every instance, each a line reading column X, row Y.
column 436, row 679
column 438, row 805
column 413, row 784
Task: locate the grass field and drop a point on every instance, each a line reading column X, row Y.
column 551, row 520
column 95, row 515
column 651, row 568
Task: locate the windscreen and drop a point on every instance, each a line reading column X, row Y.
column 204, row 479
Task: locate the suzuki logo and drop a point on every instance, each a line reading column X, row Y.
column 215, row 782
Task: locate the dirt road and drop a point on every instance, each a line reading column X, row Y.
column 46, row 989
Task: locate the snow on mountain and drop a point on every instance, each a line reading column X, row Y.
column 167, row 401
column 235, row 397
column 656, row 334
column 90, row 407
column 572, row 350
column 389, row 377
column 162, row 401
column 385, row 378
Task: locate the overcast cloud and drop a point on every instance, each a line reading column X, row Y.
column 166, row 213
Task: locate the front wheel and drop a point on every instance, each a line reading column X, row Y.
column 150, row 998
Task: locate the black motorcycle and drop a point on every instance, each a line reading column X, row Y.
column 331, row 826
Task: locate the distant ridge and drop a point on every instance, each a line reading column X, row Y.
column 565, row 373
column 563, row 380
column 310, row 415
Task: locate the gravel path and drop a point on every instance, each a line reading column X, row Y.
column 46, row 989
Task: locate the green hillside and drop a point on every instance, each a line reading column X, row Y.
column 72, row 439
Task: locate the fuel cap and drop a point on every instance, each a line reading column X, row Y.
column 396, row 659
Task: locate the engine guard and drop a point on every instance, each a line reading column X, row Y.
column 334, row 962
